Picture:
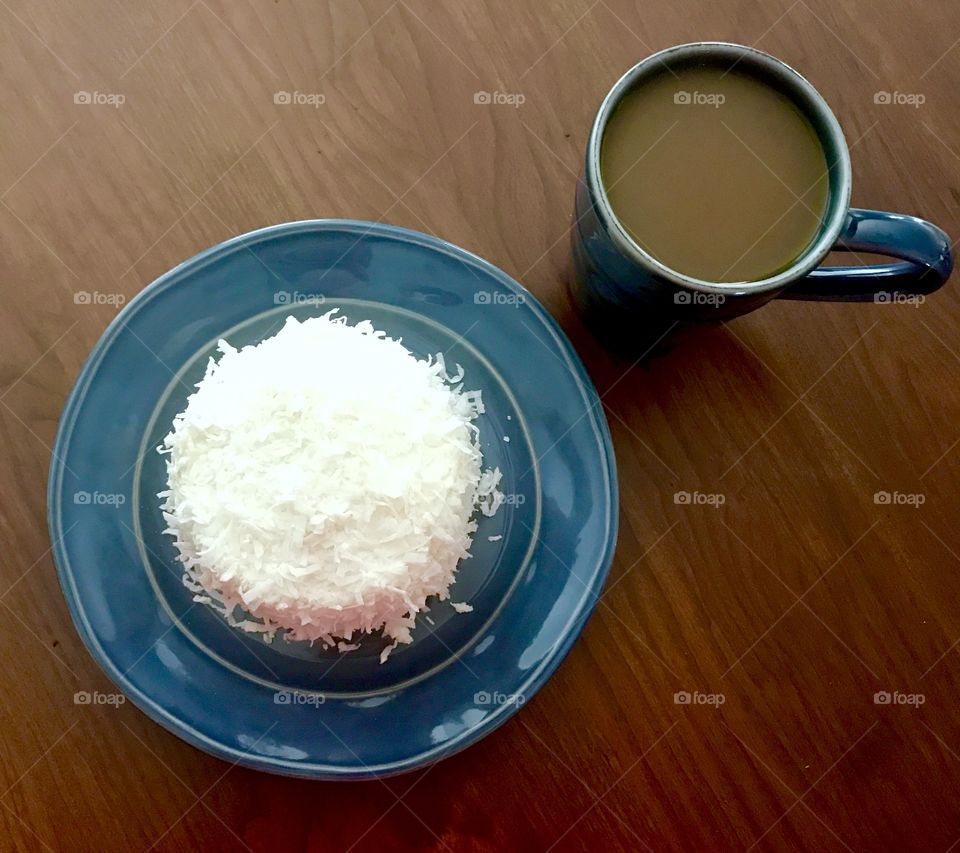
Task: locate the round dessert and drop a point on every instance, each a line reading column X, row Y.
column 322, row 483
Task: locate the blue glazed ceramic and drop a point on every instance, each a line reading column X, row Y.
column 617, row 282
column 538, row 565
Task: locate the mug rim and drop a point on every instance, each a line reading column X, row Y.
column 799, row 88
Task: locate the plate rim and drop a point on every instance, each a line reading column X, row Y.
column 274, row 764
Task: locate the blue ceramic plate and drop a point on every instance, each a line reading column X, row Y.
column 538, row 565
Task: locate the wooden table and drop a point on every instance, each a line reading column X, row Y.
column 788, row 606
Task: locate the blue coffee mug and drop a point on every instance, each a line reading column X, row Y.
column 617, row 281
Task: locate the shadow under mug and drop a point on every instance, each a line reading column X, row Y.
column 617, row 284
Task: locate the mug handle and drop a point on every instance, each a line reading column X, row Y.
column 925, row 261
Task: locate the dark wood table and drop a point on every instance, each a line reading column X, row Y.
column 789, row 605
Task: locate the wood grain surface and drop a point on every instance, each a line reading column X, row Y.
column 792, row 602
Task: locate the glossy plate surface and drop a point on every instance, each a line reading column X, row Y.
column 537, row 566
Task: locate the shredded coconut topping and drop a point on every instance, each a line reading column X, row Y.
column 323, row 482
